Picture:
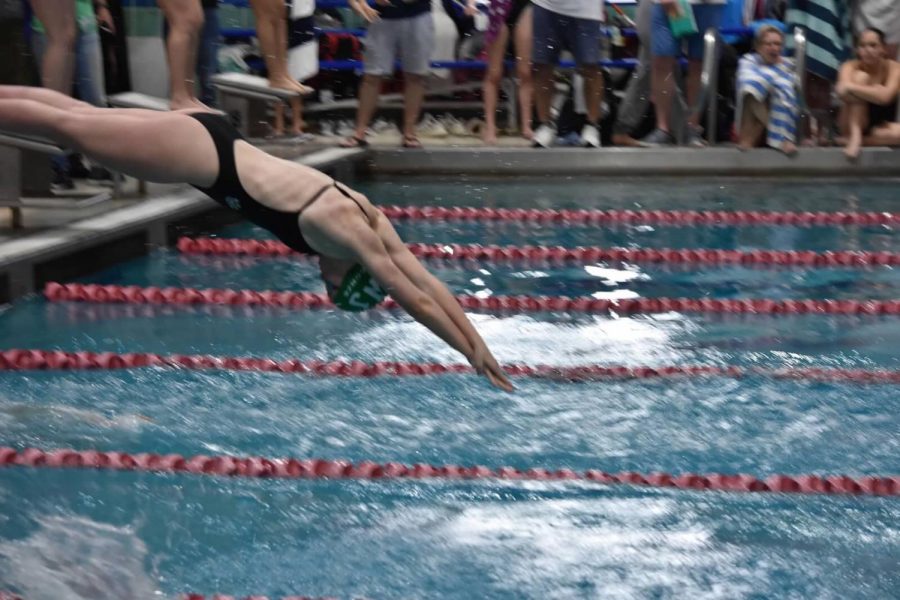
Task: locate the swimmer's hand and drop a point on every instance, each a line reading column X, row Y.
column 485, row 364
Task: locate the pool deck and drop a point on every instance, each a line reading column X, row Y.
column 57, row 243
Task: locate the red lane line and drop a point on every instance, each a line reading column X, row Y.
column 26, row 359
column 75, row 292
column 705, row 256
column 339, row 469
column 11, row 596
column 640, row 217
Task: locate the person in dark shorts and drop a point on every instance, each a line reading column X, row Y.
column 572, row 25
column 361, row 257
column 868, row 88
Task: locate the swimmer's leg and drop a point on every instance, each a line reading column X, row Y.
column 168, row 148
column 42, row 95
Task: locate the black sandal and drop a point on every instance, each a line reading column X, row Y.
column 411, row 141
column 354, row 142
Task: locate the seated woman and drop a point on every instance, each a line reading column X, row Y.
column 361, row 257
column 867, row 87
column 767, row 97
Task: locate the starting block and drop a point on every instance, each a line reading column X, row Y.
column 20, row 173
column 137, row 100
column 246, row 97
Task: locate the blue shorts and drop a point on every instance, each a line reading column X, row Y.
column 554, row 32
column 665, row 44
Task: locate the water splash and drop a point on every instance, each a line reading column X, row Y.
column 74, row 558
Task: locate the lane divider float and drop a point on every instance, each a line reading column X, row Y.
column 591, row 254
column 639, row 217
column 31, row 360
column 132, row 294
column 291, row 468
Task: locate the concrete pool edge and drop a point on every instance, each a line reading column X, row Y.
column 707, row 162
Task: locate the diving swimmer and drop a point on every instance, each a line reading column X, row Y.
column 361, row 257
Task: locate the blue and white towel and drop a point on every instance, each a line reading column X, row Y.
column 773, row 85
column 303, row 46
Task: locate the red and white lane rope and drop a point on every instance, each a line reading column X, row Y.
column 639, row 217
column 132, row 294
column 10, row 596
column 225, row 597
column 292, row 468
column 591, row 254
column 30, row 360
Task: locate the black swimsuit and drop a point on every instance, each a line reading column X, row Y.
column 228, row 191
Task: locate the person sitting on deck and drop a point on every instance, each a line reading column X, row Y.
column 767, row 95
column 868, row 87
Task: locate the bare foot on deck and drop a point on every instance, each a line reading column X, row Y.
column 489, row 136
column 854, row 145
column 789, row 148
column 291, row 85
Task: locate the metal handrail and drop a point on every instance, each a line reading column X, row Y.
column 800, row 68
column 709, row 81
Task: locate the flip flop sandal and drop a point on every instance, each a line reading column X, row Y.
column 354, row 142
column 411, row 141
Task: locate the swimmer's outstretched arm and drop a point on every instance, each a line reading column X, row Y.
column 379, row 250
column 482, row 359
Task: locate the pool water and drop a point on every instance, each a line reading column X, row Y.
column 85, row 534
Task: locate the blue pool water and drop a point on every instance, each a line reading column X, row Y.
column 85, row 534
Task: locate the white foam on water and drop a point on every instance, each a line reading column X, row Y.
column 74, row 558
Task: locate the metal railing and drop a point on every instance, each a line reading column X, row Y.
column 800, row 70
column 709, row 82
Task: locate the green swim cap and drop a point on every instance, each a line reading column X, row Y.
column 359, row 291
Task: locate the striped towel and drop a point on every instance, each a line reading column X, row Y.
column 774, row 85
column 303, row 47
column 828, row 33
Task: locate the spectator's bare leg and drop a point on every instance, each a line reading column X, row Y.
column 413, row 95
column 663, row 85
column 855, row 118
column 491, row 91
column 297, row 123
column 58, row 64
column 887, row 134
column 543, row 91
column 524, row 36
column 695, row 71
column 369, row 90
column 753, row 123
column 593, row 92
column 185, row 19
column 278, row 125
column 271, row 29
